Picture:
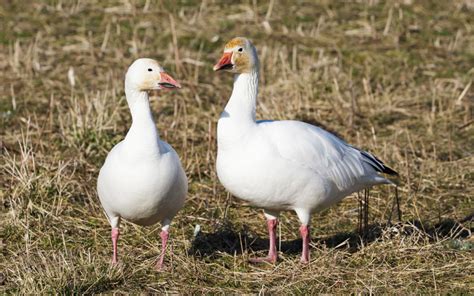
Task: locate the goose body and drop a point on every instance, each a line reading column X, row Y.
column 290, row 165
column 152, row 187
column 142, row 180
column 283, row 165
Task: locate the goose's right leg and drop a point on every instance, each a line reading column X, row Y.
column 304, row 216
column 115, row 223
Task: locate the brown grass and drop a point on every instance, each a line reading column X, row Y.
column 392, row 77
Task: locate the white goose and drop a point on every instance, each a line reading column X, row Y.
column 142, row 180
column 283, row 165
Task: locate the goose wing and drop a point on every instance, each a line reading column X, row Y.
column 324, row 153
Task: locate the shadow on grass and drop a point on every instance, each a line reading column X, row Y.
column 102, row 285
column 226, row 239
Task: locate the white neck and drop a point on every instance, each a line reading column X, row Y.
column 239, row 113
column 243, row 101
column 143, row 135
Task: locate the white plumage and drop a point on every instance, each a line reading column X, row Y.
column 283, row 165
column 142, row 180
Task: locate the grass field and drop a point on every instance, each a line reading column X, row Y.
column 392, row 77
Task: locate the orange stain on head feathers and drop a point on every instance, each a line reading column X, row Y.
column 238, row 41
column 242, row 64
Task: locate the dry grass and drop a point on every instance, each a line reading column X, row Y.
column 392, row 77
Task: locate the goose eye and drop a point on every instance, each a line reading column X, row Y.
column 149, row 69
column 240, row 49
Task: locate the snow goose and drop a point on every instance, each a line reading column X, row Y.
column 283, row 165
column 142, row 180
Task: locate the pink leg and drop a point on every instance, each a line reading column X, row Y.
column 115, row 236
column 305, row 235
column 164, row 240
column 272, row 251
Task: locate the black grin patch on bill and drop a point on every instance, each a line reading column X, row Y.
column 226, row 67
column 167, row 85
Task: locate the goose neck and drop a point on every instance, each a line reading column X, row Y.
column 143, row 131
column 242, row 103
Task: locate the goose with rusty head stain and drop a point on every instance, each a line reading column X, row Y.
column 283, row 165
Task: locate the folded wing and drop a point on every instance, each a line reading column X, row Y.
column 324, row 153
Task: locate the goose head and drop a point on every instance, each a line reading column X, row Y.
column 240, row 56
column 147, row 75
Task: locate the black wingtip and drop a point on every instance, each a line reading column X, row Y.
column 377, row 164
column 389, row 171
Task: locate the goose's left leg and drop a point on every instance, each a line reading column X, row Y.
column 305, row 218
column 164, row 242
column 272, row 222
